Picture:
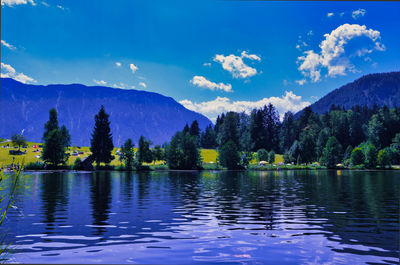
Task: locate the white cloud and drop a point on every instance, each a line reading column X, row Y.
column 45, row 4
column 7, row 71
column 143, row 84
column 206, row 64
column 100, row 82
column 17, row 2
column 201, row 81
column 211, row 109
column 301, row 82
column 332, row 56
column 122, row 86
column 118, row 64
column 235, row 65
column 133, row 67
column 244, row 54
column 330, row 14
column 60, row 7
column 356, row 14
column 8, row 45
column 310, row 33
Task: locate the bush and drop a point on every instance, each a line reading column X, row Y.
column 262, row 155
column 357, row 157
column 77, row 164
column 271, row 157
column 383, row 158
column 105, row 167
column 34, row 166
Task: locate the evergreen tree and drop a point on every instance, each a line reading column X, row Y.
column 322, row 138
column 56, row 141
column 52, row 123
column 101, row 142
column 128, row 154
column 228, row 130
column 357, row 156
column 158, row 153
column 307, row 143
column 332, row 153
column 371, row 154
column 228, row 155
column 194, row 129
column 144, row 153
column 208, row 138
column 186, row 128
column 287, row 133
column 257, row 131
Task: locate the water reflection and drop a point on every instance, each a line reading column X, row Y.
column 187, row 217
column 100, row 200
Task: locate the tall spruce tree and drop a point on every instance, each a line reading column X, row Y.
column 144, row 153
column 56, row 141
column 101, row 142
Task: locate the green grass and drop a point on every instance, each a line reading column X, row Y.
column 207, row 155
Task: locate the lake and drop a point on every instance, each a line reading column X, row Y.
column 276, row 217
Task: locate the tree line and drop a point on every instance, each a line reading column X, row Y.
column 358, row 137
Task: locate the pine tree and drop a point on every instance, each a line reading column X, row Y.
column 101, row 142
column 127, row 154
column 51, row 124
column 144, row 153
column 56, row 141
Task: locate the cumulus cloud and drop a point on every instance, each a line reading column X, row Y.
column 100, row 82
column 7, row 71
column 330, row 14
column 201, row 81
column 143, row 84
column 118, row 64
column 356, row 14
column 133, row 67
column 60, row 7
column 17, row 2
column 332, row 56
column 206, row 64
column 8, row 45
column 235, row 65
column 211, row 109
column 301, row 82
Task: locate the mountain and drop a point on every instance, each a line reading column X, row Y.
column 25, row 107
column 380, row 89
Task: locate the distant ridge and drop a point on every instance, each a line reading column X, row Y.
column 25, row 107
column 380, row 89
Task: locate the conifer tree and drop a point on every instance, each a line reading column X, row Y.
column 101, row 142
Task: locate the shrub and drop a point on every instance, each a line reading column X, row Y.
column 383, row 158
column 34, row 166
column 357, row 156
column 262, row 155
column 271, row 157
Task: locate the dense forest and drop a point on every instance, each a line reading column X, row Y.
column 329, row 138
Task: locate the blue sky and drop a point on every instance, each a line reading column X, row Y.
column 212, row 56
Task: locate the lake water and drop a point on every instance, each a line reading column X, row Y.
column 280, row 217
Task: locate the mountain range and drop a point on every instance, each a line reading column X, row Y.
column 380, row 89
column 25, row 108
